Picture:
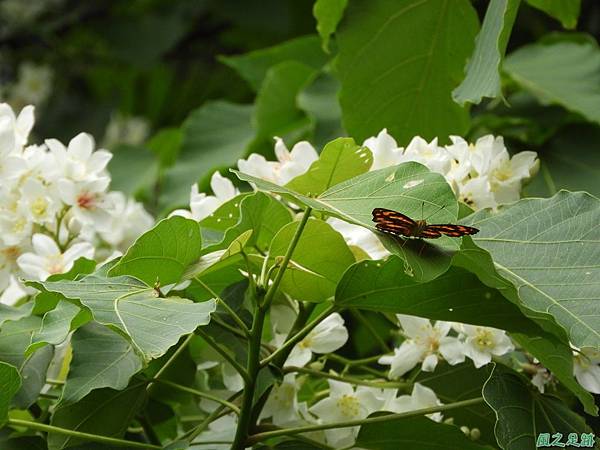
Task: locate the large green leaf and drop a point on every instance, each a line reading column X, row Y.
column 557, row 357
column 57, row 324
column 339, row 161
column 328, row 14
column 522, row 412
column 132, row 182
column 318, row 263
column 253, row 66
column 263, row 214
column 152, row 324
column 8, row 312
column 409, row 188
column 105, row 412
column 483, row 70
column 276, row 111
column 10, row 383
column 567, row 11
column 462, row 382
column 15, row 337
column 214, row 135
column 548, row 249
column 163, row 253
column 101, row 358
column 398, row 63
column 414, row 433
column 562, row 72
column 456, row 296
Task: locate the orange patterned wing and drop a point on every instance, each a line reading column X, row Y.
column 393, row 222
column 450, row 230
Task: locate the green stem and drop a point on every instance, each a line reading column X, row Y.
column 230, row 359
column 254, row 365
column 194, row 432
column 354, row 362
column 198, row 393
column 289, row 344
column 359, row 381
column 353, row 423
column 225, row 306
column 172, row 359
column 80, row 435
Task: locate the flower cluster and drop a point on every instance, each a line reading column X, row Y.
column 55, row 205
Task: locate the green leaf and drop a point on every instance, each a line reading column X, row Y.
column 162, row 253
column 101, row 358
column 14, row 340
column 10, row 383
column 522, row 412
column 253, row 66
column 214, row 135
column 463, row 382
column 165, row 144
column 123, row 178
column 8, row 312
column 483, row 69
column 152, row 324
column 455, row 296
column 328, row 14
column 409, row 188
column 406, row 88
column 339, row 161
column 261, row 213
column 413, row 433
column 319, row 100
column 548, row 250
column 562, row 72
column 104, row 412
column 318, row 263
column 213, row 227
column 276, row 111
column 57, row 324
column 566, row 11
column 557, row 357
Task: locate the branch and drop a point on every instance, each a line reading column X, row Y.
column 352, row 380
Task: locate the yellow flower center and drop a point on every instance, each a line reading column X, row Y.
column 19, row 225
column 39, row 207
column 349, row 405
column 485, row 339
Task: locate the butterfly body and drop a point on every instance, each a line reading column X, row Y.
column 400, row 225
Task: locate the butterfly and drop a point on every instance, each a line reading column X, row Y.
column 397, row 224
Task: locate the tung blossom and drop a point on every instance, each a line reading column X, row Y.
column 481, row 343
column 421, row 397
column 586, row 368
column 425, row 343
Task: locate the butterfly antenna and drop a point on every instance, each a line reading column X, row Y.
column 435, row 212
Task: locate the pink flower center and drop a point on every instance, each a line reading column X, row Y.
column 86, row 200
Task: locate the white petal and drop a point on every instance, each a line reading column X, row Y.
column 299, row 356
column 76, row 251
column 414, row 326
column 222, row 187
column 406, row 357
column 45, row 245
column 430, row 363
column 453, row 350
column 81, row 147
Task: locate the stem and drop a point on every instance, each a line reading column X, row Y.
column 80, row 435
column 236, row 365
column 225, row 306
column 359, row 381
column 194, row 432
column 353, row 423
column 254, row 365
column 198, row 393
column 298, row 336
column 173, row 357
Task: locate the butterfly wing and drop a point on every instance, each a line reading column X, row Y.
column 450, row 230
column 393, row 222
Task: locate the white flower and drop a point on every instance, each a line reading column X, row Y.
column 385, row 150
column 232, row 379
column 90, row 204
column 360, row 237
column 343, row 404
column 328, row 336
column 477, row 193
column 202, row 205
column 541, row 378
column 282, row 404
column 15, row 226
column 290, row 164
column 123, row 129
column 421, row 397
column 48, row 259
column 425, row 343
column 38, row 202
column 221, row 429
column 586, row 369
column 128, row 221
column 436, row 158
column 14, row 131
column 484, row 342
column 79, row 161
